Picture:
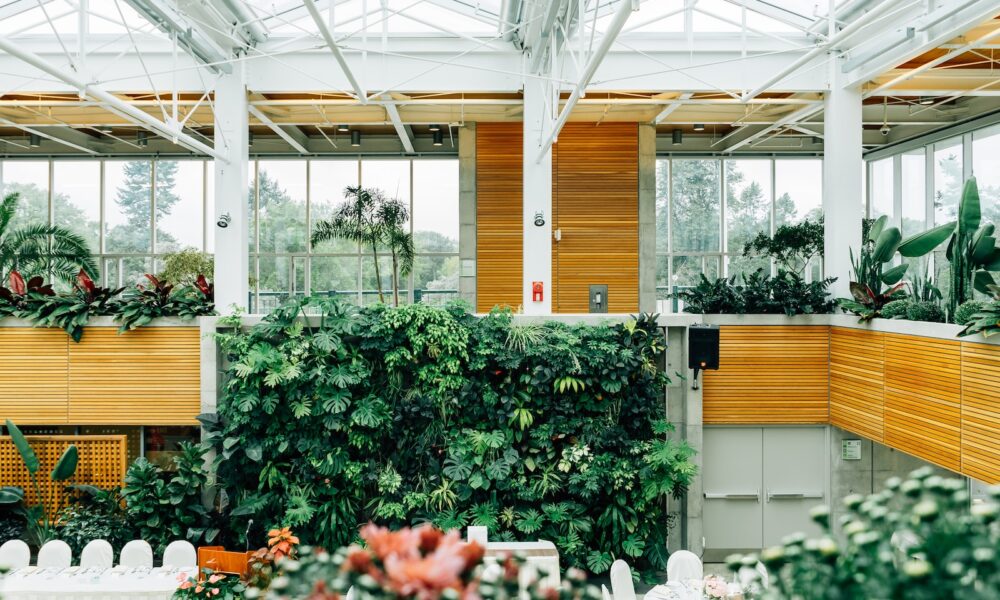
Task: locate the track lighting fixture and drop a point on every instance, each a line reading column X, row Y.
column 249, row 139
column 438, row 138
column 678, row 136
column 435, row 127
column 356, row 138
column 343, row 128
column 34, row 140
column 699, row 127
column 142, row 138
column 926, row 100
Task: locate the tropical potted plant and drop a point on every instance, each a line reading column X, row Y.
column 39, row 249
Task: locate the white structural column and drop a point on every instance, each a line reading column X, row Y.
column 537, row 194
column 231, row 249
column 843, row 193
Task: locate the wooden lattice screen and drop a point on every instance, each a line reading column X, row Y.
column 102, row 464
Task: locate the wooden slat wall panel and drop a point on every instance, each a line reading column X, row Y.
column 499, row 219
column 981, row 411
column 102, row 463
column 856, row 376
column 923, row 387
column 33, row 381
column 150, row 376
column 596, row 205
column 769, row 375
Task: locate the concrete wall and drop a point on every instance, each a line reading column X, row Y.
column 647, row 217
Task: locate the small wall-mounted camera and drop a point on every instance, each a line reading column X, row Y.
column 539, row 219
column 224, row 221
column 885, row 129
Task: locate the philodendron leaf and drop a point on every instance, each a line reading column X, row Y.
column 66, row 466
column 893, row 275
column 983, row 245
column 982, row 281
column 886, row 244
column 969, row 213
column 23, row 448
column 926, row 241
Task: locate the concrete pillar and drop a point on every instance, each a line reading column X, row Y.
column 647, row 217
column 843, row 196
column 684, row 410
column 467, row 213
column 231, row 242
column 537, row 197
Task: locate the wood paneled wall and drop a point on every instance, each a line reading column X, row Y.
column 934, row 398
column 595, row 203
column 150, row 376
column 776, row 374
column 595, row 191
column 499, row 215
column 856, row 373
column 923, row 390
column 981, row 411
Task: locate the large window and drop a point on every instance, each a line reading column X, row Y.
column 134, row 212
column 708, row 209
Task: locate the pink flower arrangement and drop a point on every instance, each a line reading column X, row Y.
column 715, row 587
column 417, row 563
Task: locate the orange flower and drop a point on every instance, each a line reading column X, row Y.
column 473, row 554
column 429, row 538
column 281, row 542
column 215, row 578
column 358, row 560
column 384, row 543
column 198, row 589
column 186, row 583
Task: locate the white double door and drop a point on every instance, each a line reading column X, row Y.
column 760, row 484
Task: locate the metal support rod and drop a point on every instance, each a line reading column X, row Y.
column 337, row 54
column 17, row 51
column 621, row 16
column 277, row 129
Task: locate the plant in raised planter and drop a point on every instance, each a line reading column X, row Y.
column 71, row 311
column 161, row 299
column 40, row 249
column 985, row 320
column 951, row 553
column 39, row 527
column 21, row 294
column 972, row 248
column 878, row 247
column 758, row 293
column 792, row 246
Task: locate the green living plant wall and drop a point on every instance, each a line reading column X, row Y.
column 427, row 414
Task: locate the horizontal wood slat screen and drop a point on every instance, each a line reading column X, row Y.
column 150, row 376
column 856, row 374
column 981, row 411
column 102, row 463
column 499, row 218
column 923, row 388
column 769, row 374
column 596, row 207
column 33, row 377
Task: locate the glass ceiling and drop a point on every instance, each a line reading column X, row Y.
column 481, row 18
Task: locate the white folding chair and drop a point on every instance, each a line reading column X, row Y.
column 55, row 554
column 136, row 553
column 621, row 581
column 180, row 553
column 14, row 554
column 97, row 553
column 684, row 565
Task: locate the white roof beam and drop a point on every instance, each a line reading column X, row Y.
column 49, row 136
column 247, row 20
column 795, row 117
column 614, row 28
column 288, row 136
column 932, row 30
column 778, row 13
column 468, row 9
column 114, row 103
column 190, row 35
column 404, row 132
column 666, row 112
column 337, row 54
column 850, row 30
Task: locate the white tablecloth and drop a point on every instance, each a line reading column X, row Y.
column 92, row 584
column 542, row 558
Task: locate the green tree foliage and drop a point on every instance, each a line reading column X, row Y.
column 413, row 414
column 35, row 248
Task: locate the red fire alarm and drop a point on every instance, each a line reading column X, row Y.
column 537, row 291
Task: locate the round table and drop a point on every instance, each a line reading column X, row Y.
column 32, row 583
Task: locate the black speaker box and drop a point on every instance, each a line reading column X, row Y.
column 703, row 347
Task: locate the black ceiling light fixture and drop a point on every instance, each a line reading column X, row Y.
column 356, row 138
column 34, row 140
column 142, row 138
column 438, row 137
column 343, row 128
column 105, row 129
column 435, row 127
column 678, row 136
column 249, row 139
column 699, row 127
column 926, row 100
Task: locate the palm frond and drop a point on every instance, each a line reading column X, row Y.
column 8, row 207
column 49, row 250
column 402, row 244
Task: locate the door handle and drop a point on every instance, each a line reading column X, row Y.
column 754, row 495
column 793, row 495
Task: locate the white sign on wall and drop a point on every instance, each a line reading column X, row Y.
column 851, row 450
